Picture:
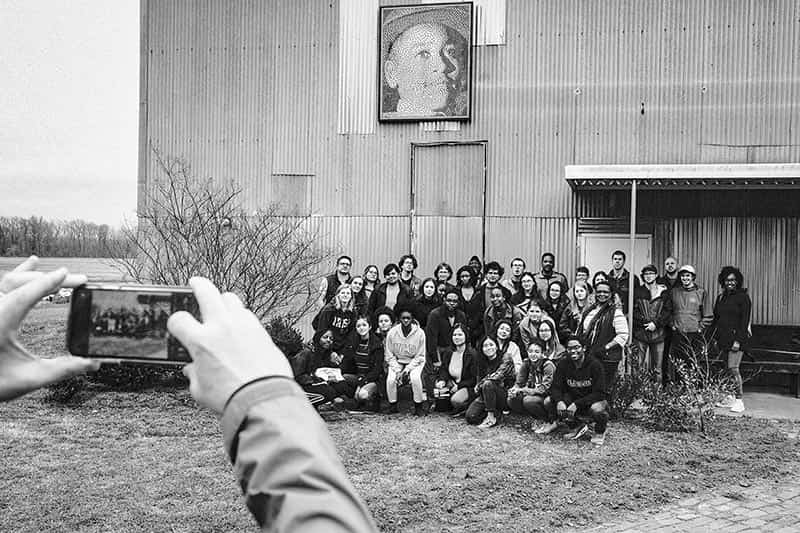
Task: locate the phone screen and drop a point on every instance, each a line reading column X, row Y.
column 129, row 324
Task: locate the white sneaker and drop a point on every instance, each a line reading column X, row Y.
column 727, row 401
column 738, row 406
column 488, row 422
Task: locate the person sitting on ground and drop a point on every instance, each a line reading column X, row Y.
column 514, row 283
column 360, row 298
column 603, row 330
column 557, row 301
column 338, row 316
column 529, row 326
column 408, row 264
column 404, row 354
column 531, row 392
column 495, row 375
column 319, row 371
column 239, row 374
column 389, row 293
column 427, row 301
column 579, row 389
column 652, row 309
column 551, row 347
column 457, row 371
column 363, row 356
column 527, row 293
column 438, row 336
column 578, row 302
column 732, row 327
column 470, row 300
column 500, row 309
column 502, row 334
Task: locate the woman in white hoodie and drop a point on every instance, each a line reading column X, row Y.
column 404, row 351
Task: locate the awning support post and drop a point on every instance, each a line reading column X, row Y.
column 633, row 254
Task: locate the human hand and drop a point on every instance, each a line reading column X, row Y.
column 26, row 271
column 229, row 349
column 561, row 408
column 571, row 410
column 650, row 326
column 440, row 384
column 20, row 371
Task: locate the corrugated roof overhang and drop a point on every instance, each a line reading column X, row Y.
column 684, row 177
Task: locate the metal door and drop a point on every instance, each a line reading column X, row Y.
column 448, row 190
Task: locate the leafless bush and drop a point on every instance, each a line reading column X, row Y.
column 189, row 227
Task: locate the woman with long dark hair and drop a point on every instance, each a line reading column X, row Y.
column 495, row 375
column 470, row 300
column 363, row 359
column 578, row 301
column 360, row 298
column 732, row 325
column 528, row 293
column 556, row 302
column 371, row 279
column 427, row 301
column 457, row 373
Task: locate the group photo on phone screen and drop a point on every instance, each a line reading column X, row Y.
column 131, row 323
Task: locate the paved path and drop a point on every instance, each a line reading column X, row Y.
column 773, row 507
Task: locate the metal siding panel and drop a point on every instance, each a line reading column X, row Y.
column 368, row 240
column 450, row 239
column 529, row 238
column 358, row 49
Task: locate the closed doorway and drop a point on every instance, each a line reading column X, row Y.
column 596, row 250
column 448, row 191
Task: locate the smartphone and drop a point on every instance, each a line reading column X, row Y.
column 127, row 322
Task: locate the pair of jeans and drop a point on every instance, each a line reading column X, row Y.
column 539, row 407
column 651, row 355
column 491, row 398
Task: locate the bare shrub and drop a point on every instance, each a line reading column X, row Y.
column 189, row 227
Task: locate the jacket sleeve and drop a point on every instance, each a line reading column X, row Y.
column 374, row 374
column 468, row 370
column 598, row 387
column 620, row 328
column 548, row 371
column 525, row 334
column 522, row 375
column 301, row 364
column 389, row 357
column 706, row 312
column 638, row 315
column 419, row 357
column 432, row 333
column 443, row 373
column 665, row 315
column 505, row 369
column 557, row 387
column 743, row 329
column 324, row 318
column 287, row 464
column 564, row 324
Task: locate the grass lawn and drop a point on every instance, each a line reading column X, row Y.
column 154, row 462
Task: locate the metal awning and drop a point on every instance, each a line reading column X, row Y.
column 684, row 177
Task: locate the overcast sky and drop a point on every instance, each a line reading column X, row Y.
column 69, row 90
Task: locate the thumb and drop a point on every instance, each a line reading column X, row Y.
column 184, row 327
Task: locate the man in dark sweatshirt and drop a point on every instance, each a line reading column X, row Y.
column 439, row 335
column 579, row 388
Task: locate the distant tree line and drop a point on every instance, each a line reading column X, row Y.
column 57, row 238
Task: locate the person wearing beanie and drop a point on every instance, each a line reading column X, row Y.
column 691, row 314
column 404, row 352
column 652, row 308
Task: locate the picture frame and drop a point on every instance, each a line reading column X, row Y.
column 425, row 62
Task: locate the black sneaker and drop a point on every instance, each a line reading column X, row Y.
column 577, row 433
column 391, row 409
column 420, row 409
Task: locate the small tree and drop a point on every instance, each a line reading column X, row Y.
column 189, row 227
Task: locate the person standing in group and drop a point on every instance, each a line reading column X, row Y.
column 371, row 280
column 491, row 281
column 514, row 283
column 691, row 314
column 548, row 274
column 501, row 310
column 438, row 335
column 338, row 316
column 732, row 326
column 404, row 351
column 360, row 298
column 582, row 274
column 670, row 277
column 364, row 357
column 457, row 371
column 556, row 302
column 527, row 293
column 495, row 375
column 443, row 274
column 652, row 309
column 389, row 293
column 578, row 302
column 331, row 282
column 603, row 331
column 620, row 278
column 475, row 264
column 470, row 300
column 579, row 387
column 427, row 301
column 408, row 264
column 531, row 391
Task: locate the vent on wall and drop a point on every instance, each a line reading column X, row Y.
column 613, row 225
column 292, row 193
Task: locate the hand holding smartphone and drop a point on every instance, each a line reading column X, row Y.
column 128, row 322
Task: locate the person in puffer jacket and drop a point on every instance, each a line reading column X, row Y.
column 691, row 314
column 652, row 309
column 404, row 351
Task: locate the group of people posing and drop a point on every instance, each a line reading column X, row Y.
column 480, row 344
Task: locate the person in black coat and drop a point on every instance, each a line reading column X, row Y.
column 427, row 301
column 438, row 336
column 456, row 375
column 470, row 300
column 732, row 325
column 389, row 293
column 306, row 363
column 363, row 359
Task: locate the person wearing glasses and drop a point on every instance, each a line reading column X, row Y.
column 331, row 282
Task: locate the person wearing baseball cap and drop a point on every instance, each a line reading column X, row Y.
column 691, row 313
column 652, row 309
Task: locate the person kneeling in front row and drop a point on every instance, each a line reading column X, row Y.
column 530, row 394
column 456, row 376
column 579, row 389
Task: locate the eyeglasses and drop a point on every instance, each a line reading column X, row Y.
column 344, row 264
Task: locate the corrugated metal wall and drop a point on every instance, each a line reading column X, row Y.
column 249, row 89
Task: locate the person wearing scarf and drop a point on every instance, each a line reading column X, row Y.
column 603, row 330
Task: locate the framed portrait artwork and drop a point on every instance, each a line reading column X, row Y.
column 425, row 56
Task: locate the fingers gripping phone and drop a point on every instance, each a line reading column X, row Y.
column 127, row 322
